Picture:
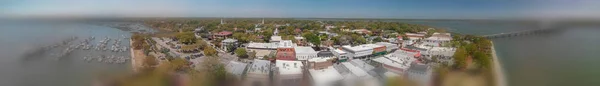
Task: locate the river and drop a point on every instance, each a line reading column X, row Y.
column 20, row 37
column 567, row 58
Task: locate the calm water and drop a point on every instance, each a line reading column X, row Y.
column 17, row 38
column 568, row 58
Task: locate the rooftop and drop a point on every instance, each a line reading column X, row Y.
column 236, row 68
column 325, row 77
column 361, row 47
column 224, row 33
column 276, row 38
column 263, row 45
column 355, row 70
column 304, row 50
column 325, row 54
column 362, row 64
column 228, row 40
column 289, row 67
column 260, row 67
column 286, row 44
column 418, row 67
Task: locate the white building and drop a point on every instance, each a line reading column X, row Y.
column 305, row 53
column 275, row 38
column 420, row 73
column 415, row 36
column 437, row 39
column 328, row 76
column 388, row 46
column 397, row 62
column 289, row 73
column 360, row 50
column 262, row 49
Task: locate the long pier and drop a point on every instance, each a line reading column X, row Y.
column 519, row 33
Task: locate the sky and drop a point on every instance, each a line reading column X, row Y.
column 400, row 9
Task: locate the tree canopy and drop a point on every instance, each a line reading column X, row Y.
column 186, row 37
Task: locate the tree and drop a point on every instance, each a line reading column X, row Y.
column 312, row 38
column 209, row 51
column 378, row 39
column 186, row 37
column 460, row 57
column 149, row 62
column 241, row 52
column 215, row 70
column 252, row 55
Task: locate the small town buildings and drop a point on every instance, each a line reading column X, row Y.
column 259, row 73
column 286, row 50
column 288, row 73
column 396, row 62
column 305, row 53
column 222, row 34
column 236, row 68
column 228, row 44
column 420, row 73
column 361, row 31
column 442, row 54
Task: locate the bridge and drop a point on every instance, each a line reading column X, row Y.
column 542, row 27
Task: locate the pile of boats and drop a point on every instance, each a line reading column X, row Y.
column 86, row 44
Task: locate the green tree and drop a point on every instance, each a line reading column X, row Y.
column 312, row 38
column 186, row 37
column 241, row 52
column 460, row 57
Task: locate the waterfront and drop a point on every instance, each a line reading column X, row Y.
column 566, row 58
column 50, row 69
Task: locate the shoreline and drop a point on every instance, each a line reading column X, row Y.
column 498, row 71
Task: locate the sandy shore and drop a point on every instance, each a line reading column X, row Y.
column 499, row 72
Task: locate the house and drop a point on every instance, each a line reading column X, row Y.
column 228, row 44
column 286, row 50
column 305, row 53
column 288, row 73
column 361, row 31
column 437, row 39
column 443, row 54
column 300, row 41
column 236, row 68
column 258, row 73
column 355, row 75
column 420, row 73
column 222, row 34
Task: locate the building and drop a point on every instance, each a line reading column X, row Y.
column 236, row 68
column 437, row 39
column 275, row 39
column 389, row 47
column 222, row 34
column 328, row 76
column 286, row 50
column 396, row 62
column 364, row 50
column 228, row 44
column 340, row 54
column 361, row 31
column 288, row 73
column 415, row 36
column 319, row 63
column 305, row 53
column 262, row 49
column 325, row 54
column 259, row 73
column 443, row 54
column 355, row 75
column 420, row 73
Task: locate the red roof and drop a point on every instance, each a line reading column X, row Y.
column 224, row 33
